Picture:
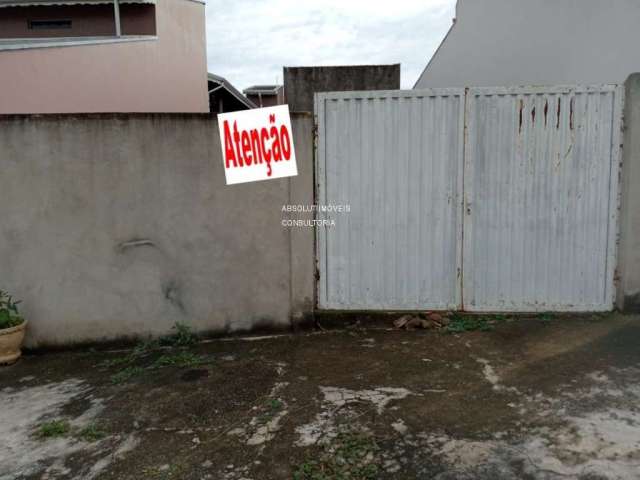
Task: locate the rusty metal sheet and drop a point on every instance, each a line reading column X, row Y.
column 541, row 198
column 489, row 199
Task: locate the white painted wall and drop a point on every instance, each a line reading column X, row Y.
column 537, row 42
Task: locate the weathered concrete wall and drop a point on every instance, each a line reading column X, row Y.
column 300, row 83
column 302, row 238
column 120, row 225
column 629, row 247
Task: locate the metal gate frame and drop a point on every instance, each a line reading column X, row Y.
column 464, row 201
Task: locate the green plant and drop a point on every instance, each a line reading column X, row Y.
column 469, row 323
column 546, row 316
column 145, row 348
column 143, row 356
column 9, row 315
column 54, row 428
column 126, row 374
column 183, row 336
column 92, row 433
column 349, row 456
column 309, row 470
column 142, row 349
column 181, row 359
column 116, row 362
column 270, row 409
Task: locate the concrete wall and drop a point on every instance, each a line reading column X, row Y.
column 629, row 246
column 300, row 83
column 167, row 74
column 541, row 42
column 121, row 225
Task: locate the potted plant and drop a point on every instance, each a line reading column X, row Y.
column 12, row 328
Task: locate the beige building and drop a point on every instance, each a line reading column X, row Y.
column 72, row 56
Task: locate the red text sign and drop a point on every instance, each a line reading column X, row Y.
column 257, row 144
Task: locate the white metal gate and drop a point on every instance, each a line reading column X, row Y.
column 396, row 159
column 487, row 199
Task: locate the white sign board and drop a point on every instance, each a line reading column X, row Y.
column 257, row 144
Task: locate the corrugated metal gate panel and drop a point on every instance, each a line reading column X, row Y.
column 396, row 159
column 541, row 180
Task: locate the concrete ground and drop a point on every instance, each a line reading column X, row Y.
column 535, row 398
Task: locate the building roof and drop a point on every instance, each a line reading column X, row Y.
column 225, row 84
column 33, row 3
column 263, row 90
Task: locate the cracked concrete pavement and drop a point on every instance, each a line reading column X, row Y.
column 532, row 399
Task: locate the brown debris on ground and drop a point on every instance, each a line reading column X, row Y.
column 427, row 321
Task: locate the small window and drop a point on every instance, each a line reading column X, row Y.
column 49, row 24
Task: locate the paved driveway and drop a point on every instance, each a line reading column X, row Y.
column 538, row 398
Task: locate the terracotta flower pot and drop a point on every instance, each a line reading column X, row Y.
column 10, row 343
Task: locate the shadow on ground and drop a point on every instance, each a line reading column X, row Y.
column 532, row 399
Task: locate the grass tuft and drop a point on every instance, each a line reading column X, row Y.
column 54, row 429
column 141, row 358
column 181, row 359
column 469, row 323
column 546, row 316
column 126, row 374
column 183, row 336
column 92, row 433
column 350, row 456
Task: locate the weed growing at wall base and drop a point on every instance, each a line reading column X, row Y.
column 460, row 323
column 180, row 359
column 146, row 355
column 183, row 336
